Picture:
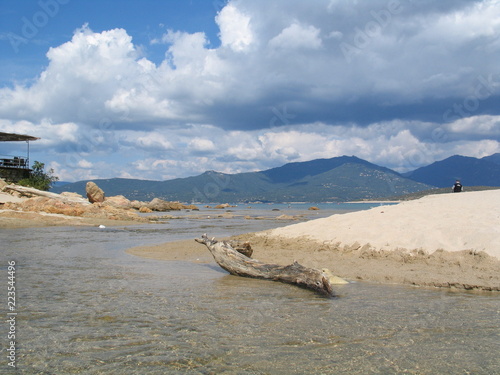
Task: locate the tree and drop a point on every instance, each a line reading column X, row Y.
column 39, row 179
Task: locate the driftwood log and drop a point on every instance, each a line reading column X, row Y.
column 238, row 264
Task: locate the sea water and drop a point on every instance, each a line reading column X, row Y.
column 85, row 306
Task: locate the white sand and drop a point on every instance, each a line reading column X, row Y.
column 451, row 222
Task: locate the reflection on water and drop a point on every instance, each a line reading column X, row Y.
column 87, row 307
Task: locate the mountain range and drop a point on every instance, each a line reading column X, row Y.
column 470, row 171
column 337, row 179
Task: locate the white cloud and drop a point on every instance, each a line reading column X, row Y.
column 421, row 88
column 202, row 145
column 102, row 75
column 235, row 28
column 475, row 126
column 182, row 152
column 85, row 164
column 297, row 36
column 153, row 141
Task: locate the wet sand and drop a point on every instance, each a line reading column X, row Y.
column 461, row 270
column 452, row 241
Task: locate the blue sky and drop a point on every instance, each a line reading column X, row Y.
column 144, row 20
column 166, row 89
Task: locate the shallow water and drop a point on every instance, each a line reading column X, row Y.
column 87, row 307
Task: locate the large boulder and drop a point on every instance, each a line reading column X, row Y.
column 158, row 204
column 135, row 204
column 94, row 193
column 118, row 201
column 2, row 184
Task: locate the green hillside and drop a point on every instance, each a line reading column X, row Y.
column 322, row 180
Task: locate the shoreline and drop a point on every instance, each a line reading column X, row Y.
column 419, row 242
column 448, row 240
column 461, row 270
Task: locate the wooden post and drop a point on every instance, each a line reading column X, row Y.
column 238, row 264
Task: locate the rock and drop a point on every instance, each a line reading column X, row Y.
column 57, row 206
column 94, row 193
column 2, row 184
column 222, row 206
column 286, row 217
column 145, row 210
column 313, row 208
column 176, row 206
column 73, row 197
column 118, row 201
column 158, row 204
column 68, row 194
column 138, row 204
column 51, row 206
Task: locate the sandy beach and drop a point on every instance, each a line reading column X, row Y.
column 447, row 240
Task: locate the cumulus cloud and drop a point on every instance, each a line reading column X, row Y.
column 153, row 141
column 202, row 145
column 399, row 83
column 297, row 36
column 235, row 28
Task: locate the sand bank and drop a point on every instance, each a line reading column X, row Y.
column 450, row 240
column 451, row 222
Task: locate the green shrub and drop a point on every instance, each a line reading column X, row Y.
column 39, row 179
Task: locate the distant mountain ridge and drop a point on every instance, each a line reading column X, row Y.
column 495, row 158
column 322, row 180
column 470, row 171
column 337, row 179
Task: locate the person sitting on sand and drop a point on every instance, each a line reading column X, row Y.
column 457, row 187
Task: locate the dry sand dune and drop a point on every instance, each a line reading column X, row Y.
column 451, row 222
